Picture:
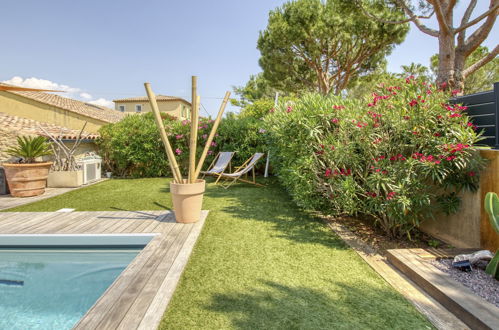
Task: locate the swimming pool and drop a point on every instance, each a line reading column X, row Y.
column 47, row 283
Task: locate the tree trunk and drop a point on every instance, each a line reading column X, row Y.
column 459, row 63
column 446, row 55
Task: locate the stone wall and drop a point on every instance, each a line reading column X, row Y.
column 8, row 138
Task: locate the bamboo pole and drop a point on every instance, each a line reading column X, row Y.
column 177, row 176
column 212, row 134
column 194, row 130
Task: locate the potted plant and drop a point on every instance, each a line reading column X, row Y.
column 187, row 194
column 65, row 170
column 28, row 177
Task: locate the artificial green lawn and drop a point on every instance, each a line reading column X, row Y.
column 260, row 263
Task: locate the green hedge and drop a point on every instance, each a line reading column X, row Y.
column 390, row 158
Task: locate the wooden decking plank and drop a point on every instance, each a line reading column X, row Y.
column 118, row 311
column 137, row 310
column 79, row 227
column 138, row 266
column 146, row 224
column 103, row 223
column 48, row 226
column 129, row 221
column 24, row 225
column 137, row 226
column 10, row 218
column 15, row 218
column 77, row 219
column 156, row 308
column 163, row 220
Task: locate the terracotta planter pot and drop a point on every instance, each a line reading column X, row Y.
column 26, row 180
column 187, row 200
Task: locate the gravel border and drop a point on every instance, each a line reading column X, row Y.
column 479, row 282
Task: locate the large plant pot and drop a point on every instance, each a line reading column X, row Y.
column 26, row 180
column 65, row 179
column 187, row 200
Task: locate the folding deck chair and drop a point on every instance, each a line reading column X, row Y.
column 247, row 166
column 219, row 164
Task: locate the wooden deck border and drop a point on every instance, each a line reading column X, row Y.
column 468, row 307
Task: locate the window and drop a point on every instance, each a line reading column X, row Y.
column 138, row 108
column 121, row 108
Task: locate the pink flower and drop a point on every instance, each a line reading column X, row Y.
column 455, row 92
column 210, row 152
column 204, row 136
column 471, row 173
column 179, row 136
column 327, row 174
column 272, row 110
column 178, row 151
column 413, row 103
column 407, row 117
column 213, row 144
column 185, row 122
column 390, row 195
column 335, row 120
column 289, row 109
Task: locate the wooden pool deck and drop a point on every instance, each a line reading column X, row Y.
column 139, row 296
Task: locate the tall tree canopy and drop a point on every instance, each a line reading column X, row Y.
column 256, row 88
column 455, row 47
column 323, row 45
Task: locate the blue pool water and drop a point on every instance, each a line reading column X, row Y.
column 54, row 288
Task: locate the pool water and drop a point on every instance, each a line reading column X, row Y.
column 53, row 288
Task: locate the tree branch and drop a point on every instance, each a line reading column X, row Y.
column 440, row 17
column 466, row 17
column 414, row 18
column 480, row 34
column 407, row 20
column 480, row 63
column 491, row 11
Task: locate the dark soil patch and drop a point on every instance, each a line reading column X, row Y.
column 367, row 232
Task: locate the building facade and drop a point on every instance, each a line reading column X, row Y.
column 171, row 105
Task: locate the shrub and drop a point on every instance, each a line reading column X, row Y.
column 393, row 159
column 244, row 136
column 133, row 147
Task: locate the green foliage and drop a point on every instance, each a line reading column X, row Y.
column 258, row 109
column 480, row 80
column 255, row 89
column 29, row 148
column 133, row 147
column 392, row 159
column 492, row 208
column 243, row 135
column 320, row 46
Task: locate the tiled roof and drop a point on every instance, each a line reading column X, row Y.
column 86, row 109
column 24, row 126
column 159, row 98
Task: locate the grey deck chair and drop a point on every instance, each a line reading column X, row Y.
column 219, row 164
column 247, row 166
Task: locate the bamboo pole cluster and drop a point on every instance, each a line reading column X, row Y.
column 194, row 170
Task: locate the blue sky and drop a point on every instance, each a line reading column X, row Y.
column 102, row 50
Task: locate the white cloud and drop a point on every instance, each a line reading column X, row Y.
column 103, row 103
column 70, row 92
column 85, row 96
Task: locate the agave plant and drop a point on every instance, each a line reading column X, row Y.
column 492, row 208
column 29, row 148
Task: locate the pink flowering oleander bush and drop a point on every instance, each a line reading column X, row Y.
column 133, row 147
column 398, row 157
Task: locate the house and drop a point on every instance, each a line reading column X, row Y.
column 57, row 110
column 172, row 105
column 13, row 126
